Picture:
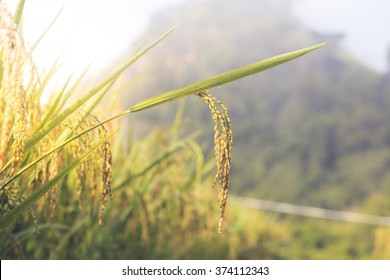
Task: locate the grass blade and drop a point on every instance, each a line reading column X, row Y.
column 221, row 79
column 46, row 30
column 19, row 11
column 53, row 108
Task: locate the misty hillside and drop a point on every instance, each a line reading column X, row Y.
column 313, row 131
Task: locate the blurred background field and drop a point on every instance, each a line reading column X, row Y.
column 312, row 132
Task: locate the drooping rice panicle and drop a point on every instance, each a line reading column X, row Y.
column 223, row 148
column 20, row 128
column 53, row 171
column 107, row 172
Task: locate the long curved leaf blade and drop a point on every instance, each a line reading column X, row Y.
column 221, row 79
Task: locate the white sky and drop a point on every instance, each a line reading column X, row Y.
column 87, row 31
column 99, row 31
column 365, row 22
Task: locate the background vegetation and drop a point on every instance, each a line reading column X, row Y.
column 310, row 132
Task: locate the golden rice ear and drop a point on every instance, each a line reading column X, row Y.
column 20, row 128
column 106, row 156
column 53, row 171
column 223, row 140
column 107, row 176
column 15, row 110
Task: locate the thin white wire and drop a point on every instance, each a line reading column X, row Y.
column 312, row 211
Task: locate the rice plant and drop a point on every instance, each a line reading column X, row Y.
column 52, row 156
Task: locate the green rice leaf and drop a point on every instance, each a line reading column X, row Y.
column 19, row 11
column 221, row 79
column 54, row 106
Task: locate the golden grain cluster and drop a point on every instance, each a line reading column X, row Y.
column 97, row 165
column 18, row 106
column 223, row 140
column 22, row 117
